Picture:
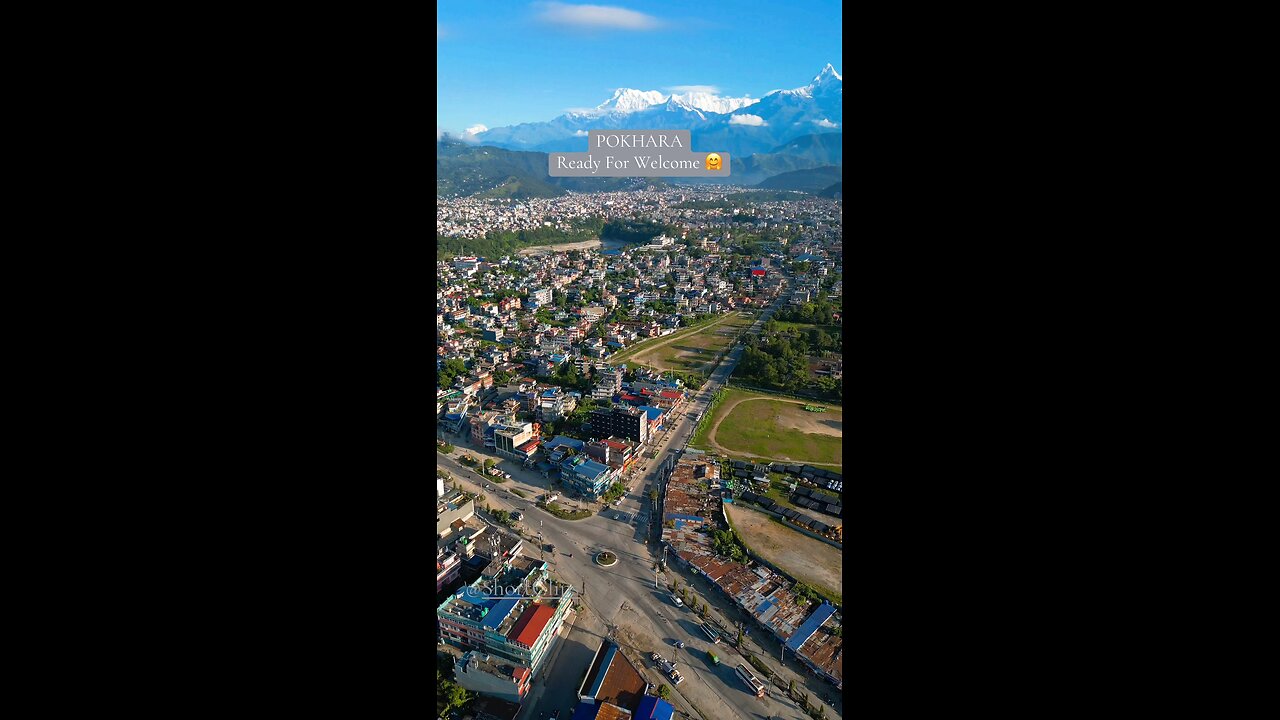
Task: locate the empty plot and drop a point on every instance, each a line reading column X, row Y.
column 804, row 558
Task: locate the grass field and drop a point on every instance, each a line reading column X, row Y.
column 696, row 351
column 645, row 345
column 775, row 428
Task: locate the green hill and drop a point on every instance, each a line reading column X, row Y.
column 831, row 191
column 466, row 169
column 812, row 180
column 823, row 149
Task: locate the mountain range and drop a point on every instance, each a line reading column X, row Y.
column 740, row 126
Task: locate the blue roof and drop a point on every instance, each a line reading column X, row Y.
column 549, row 393
column 559, row 440
column 557, row 358
column 655, row 708
column 653, row 412
column 810, row 626
column 592, row 469
column 586, row 711
column 808, row 257
column 452, row 416
column 498, row 613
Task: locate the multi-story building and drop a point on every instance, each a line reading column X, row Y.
column 448, row 565
column 628, row 423
column 512, row 613
column 586, row 476
column 542, row 296
column 615, row 452
column 451, row 509
column 482, row 673
column 517, row 440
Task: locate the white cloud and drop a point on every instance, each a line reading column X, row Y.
column 595, row 16
column 694, row 89
column 826, row 123
column 476, row 129
column 580, row 133
column 745, row 119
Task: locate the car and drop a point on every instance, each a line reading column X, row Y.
column 680, row 644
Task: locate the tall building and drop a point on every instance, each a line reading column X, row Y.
column 542, row 296
column 629, row 423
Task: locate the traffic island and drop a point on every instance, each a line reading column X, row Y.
column 606, row 559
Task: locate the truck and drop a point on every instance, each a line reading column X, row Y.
column 757, row 687
column 715, row 659
column 676, row 677
column 667, row 667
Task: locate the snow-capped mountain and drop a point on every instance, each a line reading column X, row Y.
column 626, row 100
column 741, row 126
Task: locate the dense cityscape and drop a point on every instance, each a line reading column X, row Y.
column 589, row 394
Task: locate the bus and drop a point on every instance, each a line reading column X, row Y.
column 711, row 633
column 752, row 682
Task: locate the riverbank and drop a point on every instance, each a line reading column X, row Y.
column 563, row 247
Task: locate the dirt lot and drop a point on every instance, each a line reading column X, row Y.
column 806, row 559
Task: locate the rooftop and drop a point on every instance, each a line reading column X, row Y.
column 613, row 679
column 531, row 624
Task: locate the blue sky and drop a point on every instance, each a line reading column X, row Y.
column 503, row 63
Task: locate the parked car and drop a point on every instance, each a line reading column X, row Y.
column 680, row 644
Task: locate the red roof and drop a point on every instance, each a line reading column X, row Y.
column 671, row 394
column 520, row 674
column 615, row 445
column 531, row 624
column 528, row 446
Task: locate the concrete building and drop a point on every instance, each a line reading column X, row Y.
column 482, row 673
column 451, row 511
column 511, row 611
column 628, row 423
column 448, row 566
column 517, row 441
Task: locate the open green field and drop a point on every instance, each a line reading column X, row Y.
column 645, row 345
column 696, row 351
column 775, row 428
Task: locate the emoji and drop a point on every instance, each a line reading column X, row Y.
column 713, row 162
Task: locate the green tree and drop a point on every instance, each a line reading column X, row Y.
column 489, row 463
column 664, row 692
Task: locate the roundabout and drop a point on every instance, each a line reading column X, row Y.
column 606, row 559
